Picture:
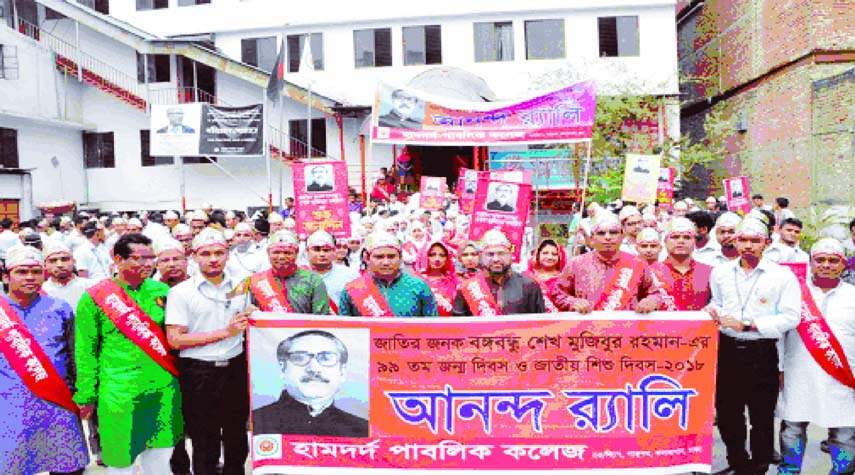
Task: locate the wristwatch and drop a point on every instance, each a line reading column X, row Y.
column 747, row 325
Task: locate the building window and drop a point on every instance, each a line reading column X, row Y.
column 618, row 36
column 8, row 148
column 494, row 41
column 100, row 6
column 8, row 62
column 299, row 134
column 145, row 149
column 422, row 45
column 259, row 52
column 372, row 48
column 152, row 4
column 158, row 68
column 98, row 150
column 295, row 51
column 544, row 39
column 187, row 3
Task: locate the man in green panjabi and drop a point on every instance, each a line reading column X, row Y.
column 137, row 397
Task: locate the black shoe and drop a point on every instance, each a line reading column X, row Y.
column 824, row 446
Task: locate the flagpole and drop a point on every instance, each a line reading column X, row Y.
column 282, row 137
column 274, row 93
column 267, row 154
column 308, row 64
column 309, row 122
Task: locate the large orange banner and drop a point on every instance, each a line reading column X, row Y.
column 610, row 392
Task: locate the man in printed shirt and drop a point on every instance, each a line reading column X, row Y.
column 685, row 280
column 755, row 303
column 384, row 290
column 590, row 279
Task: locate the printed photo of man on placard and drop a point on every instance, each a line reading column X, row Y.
column 175, row 115
column 502, row 197
column 407, row 111
column 314, row 367
column 736, row 190
column 319, row 178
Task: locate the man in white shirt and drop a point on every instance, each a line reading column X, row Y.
column 787, row 248
column 630, row 220
column 810, row 393
column 7, row 237
column 704, row 223
column 725, row 233
column 205, row 320
column 320, row 249
column 245, row 258
column 755, row 303
column 92, row 259
column 61, row 282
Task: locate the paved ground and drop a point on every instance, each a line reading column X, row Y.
column 816, row 462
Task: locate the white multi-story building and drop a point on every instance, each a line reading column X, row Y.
column 78, row 79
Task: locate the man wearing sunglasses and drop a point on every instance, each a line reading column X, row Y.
column 314, row 366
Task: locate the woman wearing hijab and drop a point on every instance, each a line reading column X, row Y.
column 440, row 276
column 549, row 260
column 470, row 261
column 414, row 249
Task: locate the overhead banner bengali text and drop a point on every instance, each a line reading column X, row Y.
column 407, row 116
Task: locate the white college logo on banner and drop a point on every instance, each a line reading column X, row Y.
column 267, row 446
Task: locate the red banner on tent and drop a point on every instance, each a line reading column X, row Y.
column 320, row 195
column 541, row 394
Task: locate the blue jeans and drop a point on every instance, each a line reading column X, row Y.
column 841, row 442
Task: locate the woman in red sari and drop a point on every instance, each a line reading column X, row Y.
column 549, row 260
column 440, row 276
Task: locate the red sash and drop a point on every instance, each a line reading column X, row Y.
column 817, row 335
column 30, row 361
column 271, row 296
column 663, row 286
column 479, row 298
column 367, row 297
column 444, row 304
column 130, row 319
column 618, row 293
column 333, row 307
column 548, row 303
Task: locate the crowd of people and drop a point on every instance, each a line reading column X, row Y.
column 157, row 306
